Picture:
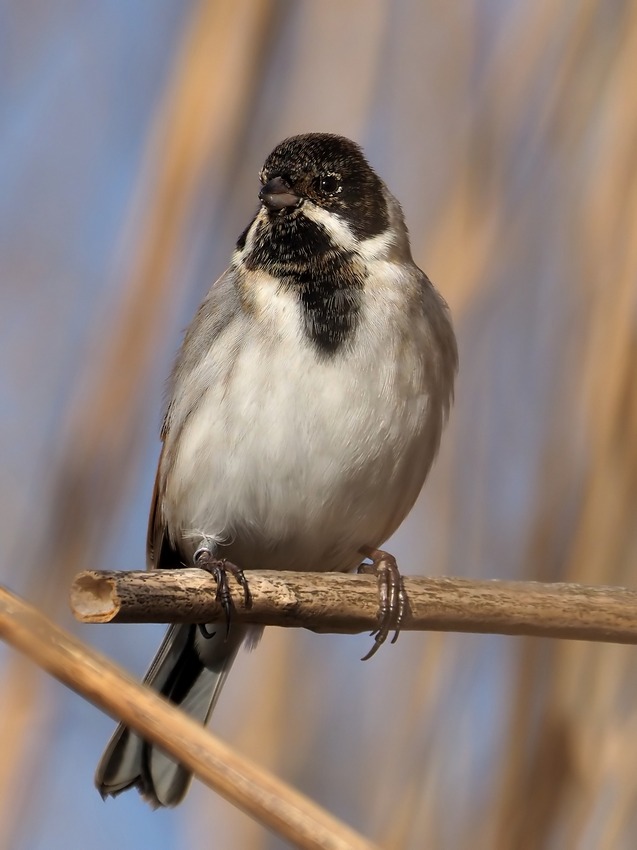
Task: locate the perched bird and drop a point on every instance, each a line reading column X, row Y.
column 305, row 409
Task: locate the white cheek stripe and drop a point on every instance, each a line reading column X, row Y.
column 239, row 255
column 375, row 248
column 338, row 229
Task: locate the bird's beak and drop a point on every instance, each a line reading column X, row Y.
column 276, row 195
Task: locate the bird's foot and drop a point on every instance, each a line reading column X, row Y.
column 219, row 568
column 392, row 600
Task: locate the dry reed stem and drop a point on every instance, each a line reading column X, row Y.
column 336, row 602
column 275, row 804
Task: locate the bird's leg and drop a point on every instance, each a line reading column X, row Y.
column 392, row 599
column 219, row 568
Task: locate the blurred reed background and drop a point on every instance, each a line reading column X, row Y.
column 131, row 138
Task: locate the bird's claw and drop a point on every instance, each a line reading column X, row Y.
column 219, row 568
column 392, row 599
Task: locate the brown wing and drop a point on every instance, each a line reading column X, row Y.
column 156, row 529
column 160, row 554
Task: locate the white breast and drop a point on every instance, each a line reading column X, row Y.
column 295, row 461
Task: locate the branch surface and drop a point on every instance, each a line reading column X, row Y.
column 337, row 602
column 272, row 802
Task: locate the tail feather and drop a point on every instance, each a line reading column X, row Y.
column 190, row 671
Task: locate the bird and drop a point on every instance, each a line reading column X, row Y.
column 304, row 411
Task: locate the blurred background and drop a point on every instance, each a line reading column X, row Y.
column 131, row 136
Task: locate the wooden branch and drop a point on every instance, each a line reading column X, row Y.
column 94, row 677
column 337, row 602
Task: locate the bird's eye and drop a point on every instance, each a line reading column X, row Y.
column 329, row 184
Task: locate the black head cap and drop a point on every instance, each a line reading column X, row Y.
column 332, row 172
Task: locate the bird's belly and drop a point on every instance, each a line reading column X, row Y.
column 295, row 463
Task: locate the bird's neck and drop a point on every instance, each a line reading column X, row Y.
column 327, row 279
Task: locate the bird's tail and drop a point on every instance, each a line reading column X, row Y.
column 190, row 670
